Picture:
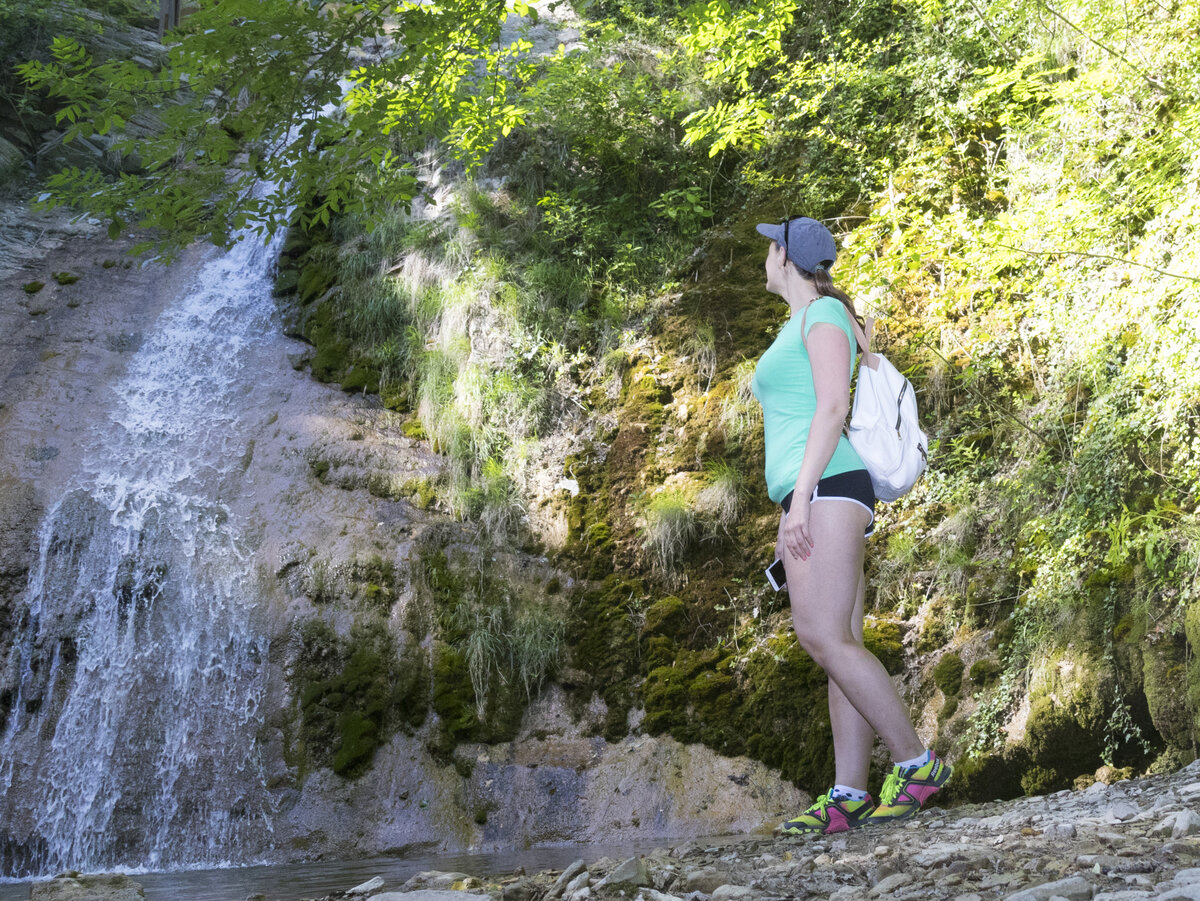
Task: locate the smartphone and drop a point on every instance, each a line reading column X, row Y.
column 777, row 575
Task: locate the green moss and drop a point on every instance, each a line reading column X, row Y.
column 453, row 700
column 665, row 616
column 1192, row 632
column 989, row 777
column 286, row 281
column 415, row 429
column 938, row 627
column 354, row 692
column 785, row 714
column 332, row 353
column 362, row 377
column 1065, row 738
column 985, row 672
column 320, row 469
column 33, row 287
column 948, row 673
column 603, row 645
column 883, row 638
column 66, row 278
column 1165, row 683
column 314, row 280
column 395, row 397
column 949, row 708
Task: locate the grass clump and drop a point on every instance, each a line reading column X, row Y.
column 670, row 528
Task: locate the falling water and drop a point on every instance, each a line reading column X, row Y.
column 131, row 740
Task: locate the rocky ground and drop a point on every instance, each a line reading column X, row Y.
column 1133, row 839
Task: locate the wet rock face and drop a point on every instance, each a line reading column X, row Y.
column 19, row 515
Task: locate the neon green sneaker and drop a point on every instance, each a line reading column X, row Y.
column 906, row 791
column 828, row 815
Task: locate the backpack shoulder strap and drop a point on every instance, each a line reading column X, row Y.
column 870, row 360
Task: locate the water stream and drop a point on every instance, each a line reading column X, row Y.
column 132, row 737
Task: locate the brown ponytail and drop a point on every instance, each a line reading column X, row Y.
column 824, row 283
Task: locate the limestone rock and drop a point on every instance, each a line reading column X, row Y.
column 367, row 887
column 732, row 893
column 576, row 885
column 1073, row 888
column 890, row 884
column 564, row 879
column 429, row 895
column 99, row 887
column 649, row 894
column 433, row 879
column 1187, row 822
column 628, row 872
column 706, row 880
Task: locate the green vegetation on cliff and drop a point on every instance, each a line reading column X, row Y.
column 1014, row 186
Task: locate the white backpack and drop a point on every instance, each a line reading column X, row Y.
column 883, row 423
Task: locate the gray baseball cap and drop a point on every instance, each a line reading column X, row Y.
column 809, row 244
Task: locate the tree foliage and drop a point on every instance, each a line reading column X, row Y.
column 333, row 100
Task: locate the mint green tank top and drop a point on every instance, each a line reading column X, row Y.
column 783, row 384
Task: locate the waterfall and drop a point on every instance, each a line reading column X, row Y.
column 131, row 741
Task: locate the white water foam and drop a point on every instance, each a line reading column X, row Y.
column 131, row 741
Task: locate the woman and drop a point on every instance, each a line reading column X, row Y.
column 803, row 384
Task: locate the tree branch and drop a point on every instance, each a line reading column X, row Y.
column 1092, row 256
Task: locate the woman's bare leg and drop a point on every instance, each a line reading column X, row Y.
column 853, row 736
column 824, row 596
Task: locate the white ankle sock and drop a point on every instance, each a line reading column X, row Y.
column 916, row 761
column 846, row 793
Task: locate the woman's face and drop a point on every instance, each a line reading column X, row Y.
column 776, row 259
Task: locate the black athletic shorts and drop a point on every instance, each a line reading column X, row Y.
column 854, row 485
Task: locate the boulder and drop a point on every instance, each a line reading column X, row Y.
column 96, row 887
column 1073, row 888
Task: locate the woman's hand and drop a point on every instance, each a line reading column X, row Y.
column 796, row 534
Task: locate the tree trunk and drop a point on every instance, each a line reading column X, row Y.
column 168, row 15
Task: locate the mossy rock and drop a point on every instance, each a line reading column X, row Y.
column 604, row 647
column 415, row 429
column 948, row 674
column 1066, row 738
column 884, row 639
column 332, row 353
column 785, row 714
column 314, row 280
column 985, row 672
column 286, row 282
column 937, row 629
column 395, row 398
column 1165, row 683
column 1192, row 632
column 666, row 616
column 354, row 692
column 362, row 377
column 989, row 777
